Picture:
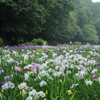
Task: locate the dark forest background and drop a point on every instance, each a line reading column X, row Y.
column 56, row 21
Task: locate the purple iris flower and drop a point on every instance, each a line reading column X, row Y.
column 73, row 85
column 30, row 88
column 95, row 51
column 41, row 80
column 1, row 70
column 46, row 52
column 15, row 62
column 61, row 50
column 59, row 54
column 1, row 83
column 88, row 56
column 7, row 82
column 7, row 65
column 98, row 64
column 16, row 47
column 6, row 77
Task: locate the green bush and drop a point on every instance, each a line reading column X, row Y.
column 34, row 41
column 28, row 43
column 77, row 43
column 38, row 41
column 1, row 42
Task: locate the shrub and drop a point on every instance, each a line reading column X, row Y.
column 38, row 41
column 77, row 43
column 34, row 41
column 1, row 42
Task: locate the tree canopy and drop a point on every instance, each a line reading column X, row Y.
column 57, row 21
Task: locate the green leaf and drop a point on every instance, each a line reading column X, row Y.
column 2, row 96
column 73, row 95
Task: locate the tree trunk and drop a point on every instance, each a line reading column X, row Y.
column 16, row 40
column 2, row 24
column 3, row 20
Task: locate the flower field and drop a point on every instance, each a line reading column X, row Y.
column 50, row 73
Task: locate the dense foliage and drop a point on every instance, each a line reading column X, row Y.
column 86, row 21
column 56, row 21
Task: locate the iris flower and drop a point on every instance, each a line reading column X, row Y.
column 73, row 85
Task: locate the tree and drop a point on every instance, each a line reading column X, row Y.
column 84, row 16
column 2, row 1
column 58, row 12
column 90, row 34
column 23, row 18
